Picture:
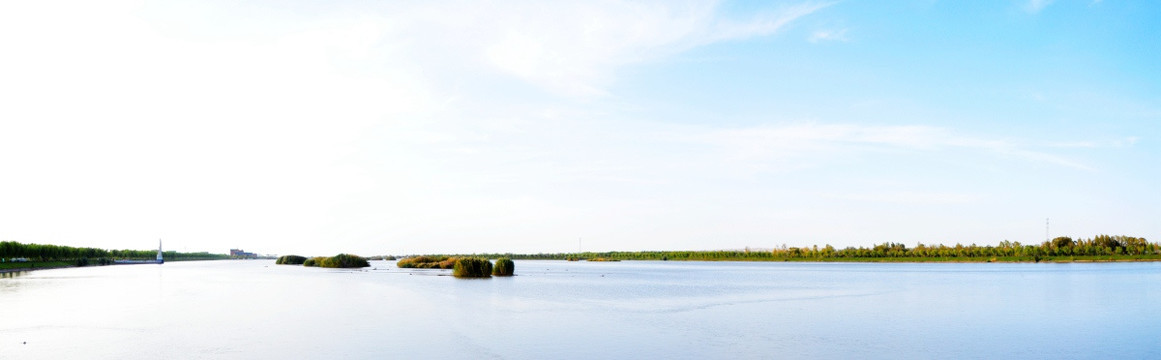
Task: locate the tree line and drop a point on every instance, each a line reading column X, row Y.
column 43, row 252
column 1100, row 247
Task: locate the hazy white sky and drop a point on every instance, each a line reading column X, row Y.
column 318, row 127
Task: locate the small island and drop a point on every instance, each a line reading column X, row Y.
column 338, row 261
column 504, row 267
column 290, row 260
column 461, row 266
column 472, row 267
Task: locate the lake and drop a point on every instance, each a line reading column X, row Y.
column 581, row 310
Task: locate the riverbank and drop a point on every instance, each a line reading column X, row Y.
column 10, row 267
column 1100, row 248
column 7, row 267
column 966, row 257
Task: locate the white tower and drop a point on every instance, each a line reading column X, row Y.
column 159, row 259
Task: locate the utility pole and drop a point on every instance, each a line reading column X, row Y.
column 1046, row 236
column 579, row 248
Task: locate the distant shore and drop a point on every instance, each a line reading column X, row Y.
column 9, row 267
column 5, row 271
column 49, row 265
column 923, row 260
column 1100, row 248
column 16, row 256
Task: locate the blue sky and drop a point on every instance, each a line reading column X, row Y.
column 413, row 127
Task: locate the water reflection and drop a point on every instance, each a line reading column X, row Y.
column 11, row 274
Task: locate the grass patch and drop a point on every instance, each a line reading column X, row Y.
column 603, row 259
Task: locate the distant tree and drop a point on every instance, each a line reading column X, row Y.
column 1105, row 241
column 1062, row 242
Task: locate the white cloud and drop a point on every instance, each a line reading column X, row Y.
column 908, row 197
column 270, row 121
column 1034, row 6
column 117, row 127
column 406, row 126
column 782, row 142
column 828, row 35
column 1094, row 144
column 576, row 48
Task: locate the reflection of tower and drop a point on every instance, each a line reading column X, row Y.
column 159, row 259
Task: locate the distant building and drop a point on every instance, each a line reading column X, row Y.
column 242, row 254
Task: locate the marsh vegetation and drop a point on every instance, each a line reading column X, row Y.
column 337, row 261
column 290, row 260
column 427, row 262
column 461, row 266
column 344, row 261
column 503, row 267
column 472, row 267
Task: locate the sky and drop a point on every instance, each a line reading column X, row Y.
column 407, row 127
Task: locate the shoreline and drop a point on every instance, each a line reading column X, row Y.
column 143, row 262
column 12, row 270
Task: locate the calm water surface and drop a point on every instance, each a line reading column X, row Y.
column 565, row 310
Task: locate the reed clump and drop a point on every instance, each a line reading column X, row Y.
column 503, row 267
column 472, row 268
column 427, row 262
column 290, row 260
column 344, row 261
column 314, row 261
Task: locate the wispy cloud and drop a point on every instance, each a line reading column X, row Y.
column 908, row 197
column 1034, row 6
column 575, row 49
column 1096, row 144
column 828, row 35
column 759, row 143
